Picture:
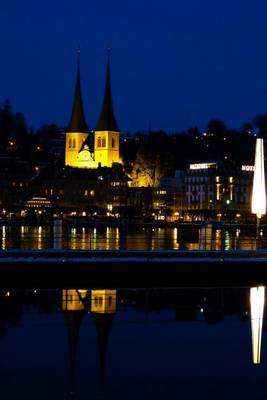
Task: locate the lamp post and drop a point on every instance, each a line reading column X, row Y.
column 258, row 205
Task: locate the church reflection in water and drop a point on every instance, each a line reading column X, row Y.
column 165, row 312
column 102, row 305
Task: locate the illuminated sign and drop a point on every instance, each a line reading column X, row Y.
column 203, row 166
column 248, row 168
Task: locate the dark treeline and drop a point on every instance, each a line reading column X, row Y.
column 151, row 156
column 18, row 140
column 158, row 152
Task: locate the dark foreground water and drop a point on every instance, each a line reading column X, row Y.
column 129, row 344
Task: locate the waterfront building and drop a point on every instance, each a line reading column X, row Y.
column 217, row 190
column 85, row 149
column 83, row 192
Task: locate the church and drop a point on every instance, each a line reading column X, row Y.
column 85, row 149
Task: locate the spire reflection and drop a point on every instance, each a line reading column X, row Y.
column 73, row 307
column 103, row 309
column 257, row 296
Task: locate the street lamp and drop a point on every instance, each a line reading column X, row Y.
column 258, row 205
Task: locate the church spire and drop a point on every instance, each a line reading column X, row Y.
column 107, row 120
column 78, row 122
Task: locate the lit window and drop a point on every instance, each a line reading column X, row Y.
column 86, row 193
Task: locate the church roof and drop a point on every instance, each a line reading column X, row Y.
column 87, row 143
column 77, row 122
column 107, row 120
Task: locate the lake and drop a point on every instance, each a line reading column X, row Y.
column 119, row 343
column 136, row 237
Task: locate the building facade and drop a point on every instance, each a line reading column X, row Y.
column 217, row 191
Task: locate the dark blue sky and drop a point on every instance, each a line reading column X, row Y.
column 174, row 63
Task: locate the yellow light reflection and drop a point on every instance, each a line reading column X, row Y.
column 104, row 301
column 73, row 239
column 218, row 239
column 117, row 243
column 257, row 296
column 3, row 237
column 93, row 239
column 22, row 231
column 227, row 242
column 176, row 245
column 39, row 238
column 84, row 245
column 108, row 238
column 72, row 299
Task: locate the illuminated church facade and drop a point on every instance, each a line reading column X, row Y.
column 81, row 149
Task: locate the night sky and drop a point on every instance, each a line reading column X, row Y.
column 174, row 64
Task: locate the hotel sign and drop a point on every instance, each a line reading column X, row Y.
column 203, row 166
column 248, row 168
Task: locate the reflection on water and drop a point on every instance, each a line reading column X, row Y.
column 3, row 237
column 120, row 343
column 133, row 238
column 257, row 297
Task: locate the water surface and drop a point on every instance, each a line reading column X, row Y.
column 120, row 343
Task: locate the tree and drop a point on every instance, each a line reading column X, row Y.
column 216, row 127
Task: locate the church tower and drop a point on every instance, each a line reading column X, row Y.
column 77, row 131
column 107, row 137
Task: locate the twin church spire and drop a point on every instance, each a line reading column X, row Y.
column 107, row 120
column 80, row 152
column 78, row 122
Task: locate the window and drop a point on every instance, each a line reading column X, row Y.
column 70, row 143
column 74, row 143
column 112, row 142
column 103, row 142
column 99, row 142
